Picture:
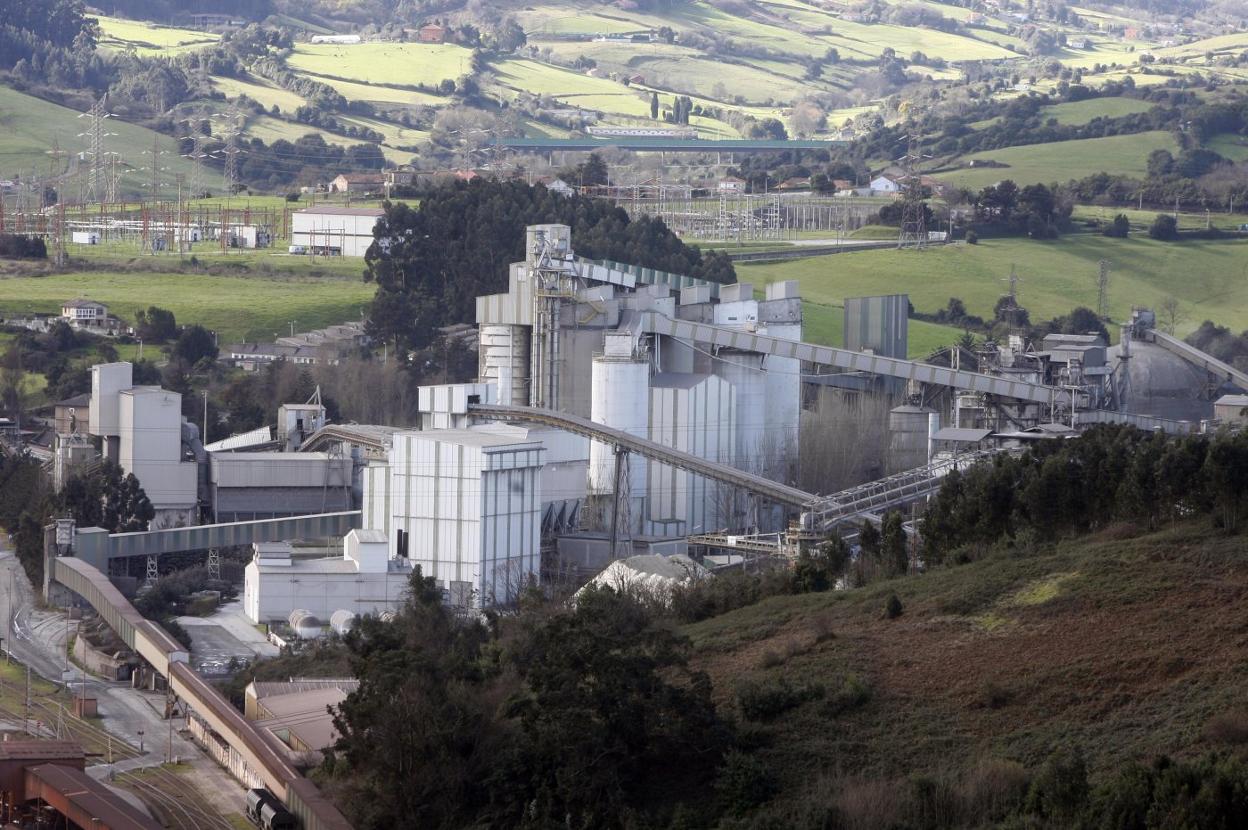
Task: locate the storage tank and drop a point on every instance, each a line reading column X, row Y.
column 620, row 399
column 342, row 621
column 910, row 431
column 505, row 360
column 744, row 372
column 305, row 624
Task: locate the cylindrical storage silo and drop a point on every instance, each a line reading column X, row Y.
column 306, row 626
column 908, row 437
column 620, row 399
column 342, row 621
column 505, row 361
column 752, row 445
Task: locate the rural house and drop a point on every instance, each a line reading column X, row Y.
column 357, row 183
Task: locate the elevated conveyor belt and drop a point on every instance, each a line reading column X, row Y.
column 655, row 323
column 1196, row 357
column 886, row 493
column 261, row 753
column 780, row 493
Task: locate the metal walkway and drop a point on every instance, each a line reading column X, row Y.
column 774, row 490
column 892, row 491
column 1196, row 357
column 654, row 323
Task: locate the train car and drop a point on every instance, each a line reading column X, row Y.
column 266, row 811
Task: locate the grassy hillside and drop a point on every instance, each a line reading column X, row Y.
column 1210, row 278
column 1063, row 160
column 29, row 126
column 1120, row 645
column 825, row 325
column 236, row 307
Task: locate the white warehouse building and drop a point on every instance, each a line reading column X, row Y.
column 333, row 231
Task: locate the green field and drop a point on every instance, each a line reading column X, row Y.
column 1064, row 160
column 237, row 308
column 1078, row 113
column 150, row 39
column 825, row 325
column 1210, row 279
column 403, row 64
column 29, row 126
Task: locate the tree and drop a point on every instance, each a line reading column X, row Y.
column 156, row 325
column 195, row 343
column 108, row 498
column 654, row 105
column 1171, row 314
column 893, row 552
column 611, row 709
column 1164, row 228
column 1119, row 228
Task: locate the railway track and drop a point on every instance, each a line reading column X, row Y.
column 175, row 801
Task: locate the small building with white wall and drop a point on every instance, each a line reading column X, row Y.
column 334, row 231
column 365, row 579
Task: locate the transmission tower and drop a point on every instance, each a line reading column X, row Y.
column 232, row 129
column 114, row 177
column 1013, row 308
column 197, row 156
column 913, row 205
column 56, row 169
column 97, row 179
column 154, row 168
column 1102, row 290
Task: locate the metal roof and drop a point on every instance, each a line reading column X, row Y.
column 675, row 145
column 1232, row 400
column 962, row 435
column 87, row 798
column 340, row 211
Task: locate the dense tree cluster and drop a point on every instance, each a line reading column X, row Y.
column 432, row 261
column 561, row 717
column 1062, row 488
column 17, row 246
column 108, row 498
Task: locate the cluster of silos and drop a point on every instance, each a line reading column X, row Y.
column 620, row 399
column 504, row 359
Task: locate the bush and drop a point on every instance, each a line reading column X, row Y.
column 15, row 246
column 852, row 693
column 765, row 700
column 1059, row 791
column 972, row 238
column 293, row 196
column 744, row 783
column 992, row 790
column 1164, row 228
column 1120, row 228
column 893, row 609
column 1228, row 728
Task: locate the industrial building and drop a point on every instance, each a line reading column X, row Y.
column 622, row 411
column 333, row 231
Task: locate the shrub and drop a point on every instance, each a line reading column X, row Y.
column 1228, row 728
column 893, row 609
column 744, row 783
column 1059, row 791
column 292, row 196
column 992, row 790
column 852, row 693
column 16, row 246
column 1120, row 228
column 765, row 700
column 1164, row 227
column 972, row 238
